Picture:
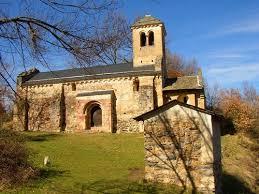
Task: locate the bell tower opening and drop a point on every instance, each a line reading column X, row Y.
column 151, row 38
column 142, row 39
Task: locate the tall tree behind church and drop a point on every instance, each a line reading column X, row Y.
column 177, row 63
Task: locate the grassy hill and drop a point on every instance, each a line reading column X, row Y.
column 114, row 163
column 240, row 165
column 89, row 163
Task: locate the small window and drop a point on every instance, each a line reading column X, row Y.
column 73, row 85
column 136, row 84
column 185, row 99
column 142, row 39
column 151, row 38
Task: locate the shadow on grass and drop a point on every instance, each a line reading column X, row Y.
column 44, row 177
column 233, row 185
column 41, row 137
column 121, row 186
column 45, row 174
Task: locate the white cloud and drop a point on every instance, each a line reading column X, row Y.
column 249, row 25
column 221, row 55
column 230, row 73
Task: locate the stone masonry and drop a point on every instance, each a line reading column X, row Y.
column 182, row 147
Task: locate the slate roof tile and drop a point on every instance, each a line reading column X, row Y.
column 183, row 83
column 94, row 72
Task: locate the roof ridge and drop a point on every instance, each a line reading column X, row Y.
column 173, row 103
column 146, row 20
column 77, row 68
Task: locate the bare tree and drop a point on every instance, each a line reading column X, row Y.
column 114, row 29
column 250, row 94
column 212, row 96
column 175, row 62
column 43, row 29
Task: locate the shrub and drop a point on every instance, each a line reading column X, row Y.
column 14, row 166
column 239, row 111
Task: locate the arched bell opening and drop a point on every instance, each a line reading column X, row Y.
column 151, row 38
column 143, row 39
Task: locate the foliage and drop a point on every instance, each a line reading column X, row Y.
column 240, row 107
column 14, row 166
column 238, row 110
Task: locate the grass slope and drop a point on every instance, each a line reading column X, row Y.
column 240, row 165
column 89, row 163
column 114, row 163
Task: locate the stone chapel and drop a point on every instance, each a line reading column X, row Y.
column 106, row 98
column 181, row 137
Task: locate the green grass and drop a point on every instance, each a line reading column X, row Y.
column 89, row 163
column 114, row 163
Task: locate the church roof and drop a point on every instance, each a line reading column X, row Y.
column 87, row 73
column 147, row 20
column 183, row 83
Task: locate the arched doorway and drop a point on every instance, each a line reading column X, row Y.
column 93, row 115
column 96, row 116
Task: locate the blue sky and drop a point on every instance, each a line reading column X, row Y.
column 222, row 35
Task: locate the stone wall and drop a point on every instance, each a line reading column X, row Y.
column 43, row 108
column 54, row 107
column 183, row 148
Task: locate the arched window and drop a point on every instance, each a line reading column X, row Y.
column 96, row 116
column 142, row 39
column 151, row 38
column 183, row 99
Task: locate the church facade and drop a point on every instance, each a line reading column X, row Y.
column 106, row 98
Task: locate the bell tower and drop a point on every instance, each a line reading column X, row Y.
column 148, row 38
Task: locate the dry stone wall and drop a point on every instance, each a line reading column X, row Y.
column 181, row 150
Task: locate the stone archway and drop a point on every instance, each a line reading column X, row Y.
column 95, row 111
column 95, row 116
